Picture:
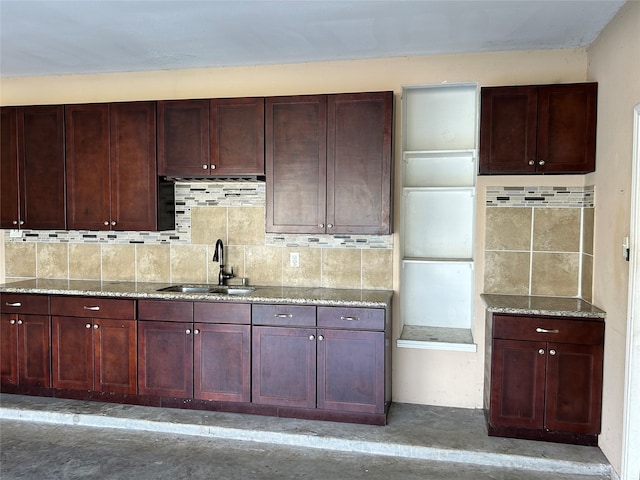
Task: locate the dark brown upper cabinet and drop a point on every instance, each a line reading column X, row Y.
column 211, row 137
column 33, row 167
column 328, row 163
column 112, row 181
column 538, row 129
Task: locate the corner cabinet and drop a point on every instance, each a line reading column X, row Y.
column 544, row 378
column 111, row 169
column 538, row 129
column 33, row 167
column 328, row 163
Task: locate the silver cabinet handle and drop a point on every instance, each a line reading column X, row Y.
column 204, row 167
column 541, row 162
column 88, row 325
column 12, row 322
column 329, row 225
column 188, row 331
column 96, row 326
column 320, row 338
column 93, row 308
column 312, row 337
column 106, row 222
column 541, row 351
column 350, row 319
column 532, row 162
column 113, row 222
column 282, row 315
column 14, row 304
column 196, row 331
column 321, row 225
column 213, row 167
column 546, row 330
column 552, row 352
column 21, row 222
column 15, row 222
column 20, row 322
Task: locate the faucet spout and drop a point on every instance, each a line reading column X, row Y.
column 218, row 256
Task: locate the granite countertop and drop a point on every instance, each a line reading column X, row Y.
column 553, row 306
column 290, row 295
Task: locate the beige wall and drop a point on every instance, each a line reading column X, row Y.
column 420, row 376
column 614, row 62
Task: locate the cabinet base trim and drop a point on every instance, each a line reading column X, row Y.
column 590, row 440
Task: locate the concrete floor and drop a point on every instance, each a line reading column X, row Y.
column 43, row 438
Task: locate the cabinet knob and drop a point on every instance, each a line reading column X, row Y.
column 532, row 162
column 204, row 167
column 541, row 162
column 329, row 225
column 541, row 351
column 113, row 222
column 88, row 325
column 21, row 222
column 312, row 337
column 96, row 326
column 106, row 222
column 321, row 225
column 12, row 322
column 552, row 352
column 188, row 331
column 213, row 167
column 19, row 322
column 320, row 338
column 15, row 222
column 196, row 331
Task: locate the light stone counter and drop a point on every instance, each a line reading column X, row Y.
column 553, row 306
column 289, row 295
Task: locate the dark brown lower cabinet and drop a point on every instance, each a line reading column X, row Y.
column 90, row 352
column 186, row 355
column 546, row 378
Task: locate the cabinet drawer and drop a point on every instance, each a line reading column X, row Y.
column 239, row 313
column 549, row 329
column 284, row 315
column 165, row 310
column 351, row 318
column 24, row 303
column 94, row 307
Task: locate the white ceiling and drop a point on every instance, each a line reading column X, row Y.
column 57, row 37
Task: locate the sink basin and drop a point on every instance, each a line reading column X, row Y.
column 217, row 289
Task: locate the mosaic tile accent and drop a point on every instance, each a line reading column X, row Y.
column 566, row 197
column 205, row 193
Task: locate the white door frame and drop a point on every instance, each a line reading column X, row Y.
column 631, row 428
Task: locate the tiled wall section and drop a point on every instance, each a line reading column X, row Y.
column 539, row 241
column 206, row 211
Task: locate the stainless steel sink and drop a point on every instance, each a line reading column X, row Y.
column 216, row 289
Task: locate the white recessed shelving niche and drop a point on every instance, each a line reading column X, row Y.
column 438, row 216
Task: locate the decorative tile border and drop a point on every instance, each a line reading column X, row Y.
column 566, row 197
column 240, row 192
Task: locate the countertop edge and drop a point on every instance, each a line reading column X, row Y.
column 539, row 305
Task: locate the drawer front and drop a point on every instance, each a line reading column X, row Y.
column 284, row 315
column 94, row 307
column 238, row 313
column 351, row 318
column 165, row 310
column 549, row 329
column 24, row 303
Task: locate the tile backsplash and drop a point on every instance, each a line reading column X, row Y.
column 205, row 211
column 539, row 241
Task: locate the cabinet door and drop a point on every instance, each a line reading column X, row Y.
column 72, row 353
column 134, row 181
column 351, row 371
column 114, row 348
column 237, row 136
column 34, row 350
column 296, row 144
column 359, row 163
column 9, row 348
column 284, row 366
column 183, row 137
column 574, row 388
column 567, row 128
column 42, row 167
column 222, row 362
column 518, row 384
column 165, row 359
column 508, row 125
column 9, row 213
column 88, row 183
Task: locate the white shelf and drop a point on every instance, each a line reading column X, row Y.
column 437, row 338
column 439, row 168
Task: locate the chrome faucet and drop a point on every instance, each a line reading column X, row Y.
column 218, row 256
